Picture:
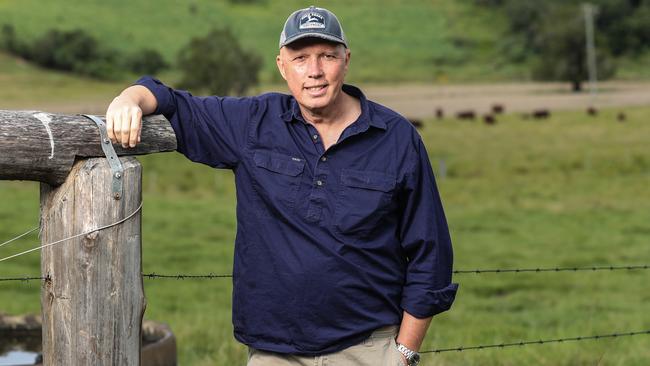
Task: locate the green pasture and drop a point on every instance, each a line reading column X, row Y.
column 414, row 41
column 568, row 191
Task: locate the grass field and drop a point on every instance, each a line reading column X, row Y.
column 570, row 191
column 391, row 40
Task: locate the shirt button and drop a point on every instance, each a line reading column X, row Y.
column 315, row 137
column 324, row 158
column 319, row 182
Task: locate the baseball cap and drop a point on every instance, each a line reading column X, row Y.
column 312, row 22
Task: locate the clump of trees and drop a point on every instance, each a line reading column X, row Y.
column 551, row 33
column 217, row 64
column 78, row 52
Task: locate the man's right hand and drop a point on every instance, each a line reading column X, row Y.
column 124, row 115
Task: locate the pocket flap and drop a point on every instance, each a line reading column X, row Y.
column 283, row 164
column 368, row 180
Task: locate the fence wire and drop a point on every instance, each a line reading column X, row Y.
column 211, row 275
column 24, row 278
column 439, row 350
column 541, row 341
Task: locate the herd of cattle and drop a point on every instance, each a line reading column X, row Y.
column 497, row 109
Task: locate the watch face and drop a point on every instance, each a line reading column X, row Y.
column 415, row 360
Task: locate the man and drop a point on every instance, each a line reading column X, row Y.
column 342, row 253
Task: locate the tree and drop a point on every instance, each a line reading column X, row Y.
column 217, row 64
column 562, row 55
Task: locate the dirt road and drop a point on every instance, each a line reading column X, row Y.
column 421, row 101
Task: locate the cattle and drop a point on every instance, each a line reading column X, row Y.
column 621, row 117
column 466, row 115
column 541, row 114
column 440, row 114
column 498, row 108
column 592, row 111
column 489, row 119
column 417, row 123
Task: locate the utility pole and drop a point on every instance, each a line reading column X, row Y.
column 589, row 12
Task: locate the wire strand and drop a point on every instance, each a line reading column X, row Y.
column 24, row 279
column 541, row 341
column 74, row 236
column 211, row 275
column 20, row 236
column 554, row 269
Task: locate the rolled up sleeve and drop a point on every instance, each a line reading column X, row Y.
column 209, row 130
column 425, row 239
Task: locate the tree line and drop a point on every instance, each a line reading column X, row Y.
column 550, row 35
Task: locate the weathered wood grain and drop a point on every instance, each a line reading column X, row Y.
column 43, row 146
column 93, row 306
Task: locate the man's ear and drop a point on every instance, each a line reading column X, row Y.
column 348, row 55
column 280, row 63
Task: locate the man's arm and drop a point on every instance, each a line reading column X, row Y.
column 124, row 114
column 412, row 331
column 426, row 243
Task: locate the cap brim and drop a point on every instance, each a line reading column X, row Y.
column 313, row 35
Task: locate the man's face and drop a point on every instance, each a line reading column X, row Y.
column 314, row 70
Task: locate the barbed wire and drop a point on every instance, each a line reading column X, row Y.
column 184, row 276
column 439, row 350
column 212, row 275
column 541, row 341
column 25, row 278
column 555, row 269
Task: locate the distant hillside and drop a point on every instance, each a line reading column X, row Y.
column 391, row 40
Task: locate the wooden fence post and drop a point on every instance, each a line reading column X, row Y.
column 93, row 306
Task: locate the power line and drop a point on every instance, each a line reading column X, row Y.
column 541, row 341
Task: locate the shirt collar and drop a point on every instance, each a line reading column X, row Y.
column 364, row 120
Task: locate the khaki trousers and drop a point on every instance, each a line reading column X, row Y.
column 378, row 350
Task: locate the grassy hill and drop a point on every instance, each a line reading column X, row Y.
column 414, row 41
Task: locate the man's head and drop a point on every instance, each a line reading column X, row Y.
column 314, row 57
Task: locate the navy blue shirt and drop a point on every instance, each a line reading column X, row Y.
column 330, row 245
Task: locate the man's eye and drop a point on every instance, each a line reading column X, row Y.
column 330, row 56
column 299, row 58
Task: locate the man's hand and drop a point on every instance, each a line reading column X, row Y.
column 124, row 121
column 124, row 115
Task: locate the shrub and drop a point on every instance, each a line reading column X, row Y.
column 147, row 61
column 78, row 52
column 73, row 51
column 217, row 64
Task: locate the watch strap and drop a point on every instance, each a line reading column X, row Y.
column 411, row 356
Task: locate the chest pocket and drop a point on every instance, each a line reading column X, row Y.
column 277, row 178
column 364, row 199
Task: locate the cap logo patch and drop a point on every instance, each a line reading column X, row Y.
column 311, row 21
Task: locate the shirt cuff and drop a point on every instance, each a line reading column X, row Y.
column 422, row 303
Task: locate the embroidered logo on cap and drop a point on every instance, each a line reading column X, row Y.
column 311, row 21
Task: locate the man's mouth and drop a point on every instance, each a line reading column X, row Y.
column 316, row 90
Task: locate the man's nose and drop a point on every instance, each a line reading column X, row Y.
column 314, row 68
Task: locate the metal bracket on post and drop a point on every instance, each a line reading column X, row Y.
column 113, row 160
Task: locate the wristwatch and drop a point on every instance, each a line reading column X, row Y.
column 412, row 357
